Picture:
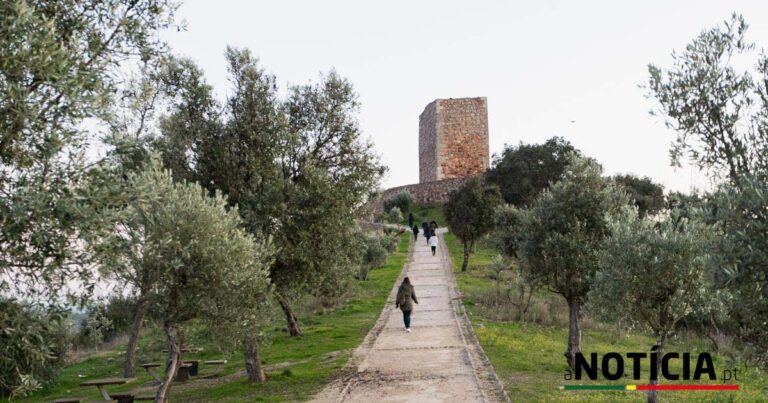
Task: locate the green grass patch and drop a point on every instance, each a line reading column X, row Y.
column 296, row 367
column 426, row 212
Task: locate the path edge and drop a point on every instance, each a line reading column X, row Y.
column 338, row 386
column 489, row 379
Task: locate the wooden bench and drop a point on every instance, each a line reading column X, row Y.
column 213, row 362
column 80, row 399
column 102, row 383
column 183, row 373
column 193, row 370
column 130, row 398
column 150, row 368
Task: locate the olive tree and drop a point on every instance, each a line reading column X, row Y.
column 62, row 63
column 184, row 252
column 469, row 213
column 646, row 194
column 739, row 258
column 718, row 111
column 298, row 168
column 559, row 237
column 652, row 274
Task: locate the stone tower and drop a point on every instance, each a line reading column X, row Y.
column 453, row 139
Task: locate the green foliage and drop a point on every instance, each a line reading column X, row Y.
column 717, row 111
column 62, row 63
column 297, row 168
column 313, row 359
column 659, row 266
column 740, row 255
column 524, row 171
column 402, row 200
column 33, row 347
column 469, row 212
column 560, row 235
column 190, row 247
column 394, row 215
column 374, row 253
column 105, row 321
column 647, row 195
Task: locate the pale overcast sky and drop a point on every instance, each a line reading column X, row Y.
column 541, row 64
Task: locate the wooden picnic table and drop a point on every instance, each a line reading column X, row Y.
column 150, row 368
column 102, row 383
column 187, row 350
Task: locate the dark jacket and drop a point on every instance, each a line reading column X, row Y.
column 410, row 219
column 406, row 296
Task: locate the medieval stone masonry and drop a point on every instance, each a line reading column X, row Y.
column 453, row 147
column 453, row 139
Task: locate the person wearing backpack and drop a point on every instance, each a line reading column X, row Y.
column 406, row 296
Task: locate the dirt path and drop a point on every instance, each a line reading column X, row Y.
column 439, row 361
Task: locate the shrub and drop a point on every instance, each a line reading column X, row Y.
column 395, row 216
column 402, row 200
column 374, row 255
column 33, row 345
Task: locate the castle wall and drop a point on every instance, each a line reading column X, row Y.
column 435, row 192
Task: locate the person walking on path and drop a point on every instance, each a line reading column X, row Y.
column 425, row 230
column 433, row 243
column 415, row 230
column 410, row 219
column 406, row 296
column 432, row 227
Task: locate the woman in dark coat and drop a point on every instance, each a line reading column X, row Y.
column 425, row 230
column 406, row 296
column 415, row 230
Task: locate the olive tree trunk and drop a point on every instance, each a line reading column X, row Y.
column 173, row 344
column 653, row 395
column 133, row 341
column 467, row 249
column 293, row 322
column 574, row 331
column 253, row 366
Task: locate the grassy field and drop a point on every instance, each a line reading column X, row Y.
column 296, row 367
column 528, row 356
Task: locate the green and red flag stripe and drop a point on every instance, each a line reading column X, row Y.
column 649, row 387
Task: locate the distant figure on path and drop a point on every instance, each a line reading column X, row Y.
column 432, row 227
column 415, row 232
column 433, row 244
column 410, row 219
column 425, row 230
column 406, row 296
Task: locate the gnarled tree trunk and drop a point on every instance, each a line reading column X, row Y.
column 467, row 249
column 293, row 322
column 173, row 344
column 133, row 341
column 253, row 366
column 574, row 331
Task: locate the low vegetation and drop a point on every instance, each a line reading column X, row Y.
column 527, row 354
column 296, row 368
